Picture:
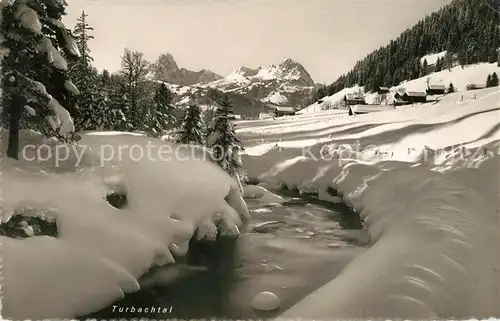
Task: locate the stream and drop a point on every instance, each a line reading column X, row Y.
column 308, row 246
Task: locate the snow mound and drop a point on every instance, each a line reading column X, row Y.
column 101, row 251
column 434, row 234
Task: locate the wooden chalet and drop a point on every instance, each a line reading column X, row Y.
column 475, row 86
column 399, row 102
column 354, row 99
column 283, row 111
column 436, row 90
column 414, row 97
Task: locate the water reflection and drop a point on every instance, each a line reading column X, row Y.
column 220, row 279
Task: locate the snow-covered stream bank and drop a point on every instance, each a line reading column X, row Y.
column 425, row 180
column 436, row 241
column 292, row 258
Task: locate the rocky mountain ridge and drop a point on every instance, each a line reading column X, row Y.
column 252, row 90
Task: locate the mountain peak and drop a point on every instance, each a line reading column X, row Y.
column 166, row 69
column 167, row 61
column 246, row 72
column 294, row 70
column 288, row 61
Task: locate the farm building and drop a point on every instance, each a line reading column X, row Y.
column 414, row 97
column 475, row 86
column 436, row 90
column 398, row 102
column 354, row 99
column 283, row 111
column 398, row 95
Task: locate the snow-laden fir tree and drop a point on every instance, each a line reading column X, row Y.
column 34, row 70
column 95, row 116
column 160, row 115
column 84, row 75
column 191, row 131
column 118, row 104
column 105, row 112
column 222, row 140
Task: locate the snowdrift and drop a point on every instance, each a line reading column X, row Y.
column 434, row 234
column 428, row 192
column 101, row 251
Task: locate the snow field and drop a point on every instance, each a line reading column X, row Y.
column 460, row 77
column 429, row 199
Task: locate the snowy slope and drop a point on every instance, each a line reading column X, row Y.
column 426, row 182
column 460, row 77
column 330, row 101
column 432, row 58
column 102, row 251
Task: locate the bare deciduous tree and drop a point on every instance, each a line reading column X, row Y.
column 134, row 69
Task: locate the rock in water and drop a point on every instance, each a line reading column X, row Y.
column 266, row 301
column 267, row 227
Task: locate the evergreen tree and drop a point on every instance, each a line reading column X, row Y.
column 494, row 80
column 425, row 67
column 84, row 76
column 34, row 72
column 488, row 81
column 97, row 113
column 161, row 115
column 118, row 101
column 439, row 65
column 451, row 88
column 448, row 60
column 192, row 127
column 222, row 140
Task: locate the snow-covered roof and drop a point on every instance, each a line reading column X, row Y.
column 352, row 96
column 437, row 87
column 416, row 94
column 287, row 109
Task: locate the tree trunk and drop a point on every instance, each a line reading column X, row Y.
column 14, row 119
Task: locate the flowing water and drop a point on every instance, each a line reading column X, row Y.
column 307, row 246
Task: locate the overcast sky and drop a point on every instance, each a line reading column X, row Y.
column 327, row 37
